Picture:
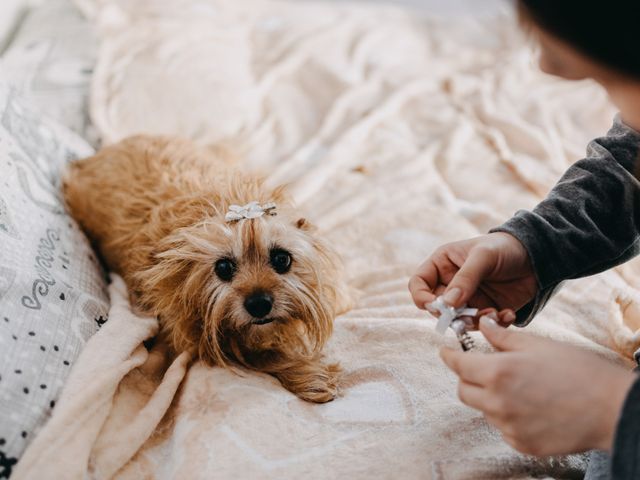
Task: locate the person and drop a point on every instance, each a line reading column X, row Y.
column 546, row 397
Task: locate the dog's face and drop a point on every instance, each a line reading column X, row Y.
column 248, row 291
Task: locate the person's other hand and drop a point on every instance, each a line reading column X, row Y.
column 490, row 272
column 545, row 397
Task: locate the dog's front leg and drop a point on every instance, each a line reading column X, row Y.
column 311, row 380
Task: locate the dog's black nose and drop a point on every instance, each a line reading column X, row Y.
column 259, row 304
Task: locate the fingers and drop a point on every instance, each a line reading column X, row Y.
column 473, row 396
column 420, row 292
column 464, row 284
column 504, row 318
column 501, row 338
column 432, row 277
column 472, row 367
column 428, row 281
column 450, row 272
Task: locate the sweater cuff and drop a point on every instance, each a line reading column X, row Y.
column 625, row 460
column 525, row 314
column 523, row 227
column 531, row 309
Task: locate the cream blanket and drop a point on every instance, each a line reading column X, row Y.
column 396, row 133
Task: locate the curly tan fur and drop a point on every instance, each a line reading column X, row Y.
column 154, row 208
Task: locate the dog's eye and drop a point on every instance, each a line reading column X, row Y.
column 225, row 268
column 281, row 260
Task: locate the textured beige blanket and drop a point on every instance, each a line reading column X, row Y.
column 396, row 134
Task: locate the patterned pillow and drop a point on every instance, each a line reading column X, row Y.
column 10, row 13
column 50, row 59
column 52, row 289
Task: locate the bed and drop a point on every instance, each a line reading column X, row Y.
column 396, row 132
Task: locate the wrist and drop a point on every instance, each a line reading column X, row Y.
column 518, row 250
column 614, row 401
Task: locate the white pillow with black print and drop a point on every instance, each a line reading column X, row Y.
column 10, row 13
column 52, row 288
column 50, row 59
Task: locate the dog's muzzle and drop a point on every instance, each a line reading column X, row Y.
column 259, row 305
column 262, row 321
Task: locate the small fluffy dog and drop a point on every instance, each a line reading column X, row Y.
column 230, row 269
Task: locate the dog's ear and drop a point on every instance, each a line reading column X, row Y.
column 304, row 224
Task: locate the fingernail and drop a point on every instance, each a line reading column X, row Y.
column 493, row 316
column 488, row 322
column 510, row 317
column 429, row 308
column 452, row 296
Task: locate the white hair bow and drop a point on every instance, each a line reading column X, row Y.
column 448, row 313
column 249, row 211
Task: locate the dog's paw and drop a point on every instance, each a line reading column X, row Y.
column 321, row 390
column 312, row 382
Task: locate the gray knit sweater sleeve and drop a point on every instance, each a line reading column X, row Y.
column 625, row 460
column 588, row 223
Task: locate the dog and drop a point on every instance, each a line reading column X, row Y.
column 231, row 270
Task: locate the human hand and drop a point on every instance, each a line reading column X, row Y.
column 490, row 272
column 545, row 397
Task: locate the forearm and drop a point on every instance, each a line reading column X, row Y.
column 589, row 222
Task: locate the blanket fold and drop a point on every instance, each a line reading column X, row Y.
column 105, row 399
